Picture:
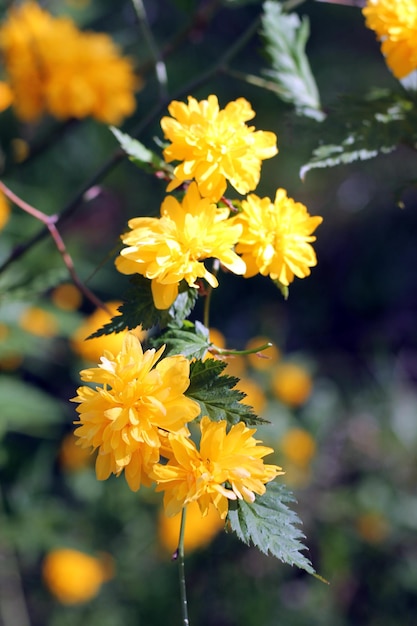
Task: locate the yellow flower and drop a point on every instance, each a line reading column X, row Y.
column 67, row 297
column 74, row 577
column 255, row 396
column 216, row 146
column 92, row 349
column 373, row 527
column 37, row 321
column 292, row 384
column 199, row 530
column 71, row 456
column 228, row 466
column 4, row 210
column 298, row 446
column 134, row 397
column 395, row 24
column 173, row 247
column 276, row 236
column 6, row 96
column 55, row 68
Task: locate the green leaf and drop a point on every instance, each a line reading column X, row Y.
column 183, row 305
column 139, row 309
column 362, row 128
column 215, row 394
column 285, row 38
column 270, row 525
column 192, row 340
column 138, row 153
column 25, row 408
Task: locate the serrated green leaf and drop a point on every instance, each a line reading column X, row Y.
column 215, row 394
column 361, row 129
column 25, row 408
column 271, row 526
column 285, row 37
column 137, row 152
column 192, row 340
column 139, row 309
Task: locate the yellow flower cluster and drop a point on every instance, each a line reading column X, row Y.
column 55, row 68
column 395, row 25
column 135, row 412
column 216, row 147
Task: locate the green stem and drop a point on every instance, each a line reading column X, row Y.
column 206, row 314
column 181, row 571
column 160, row 67
column 225, row 352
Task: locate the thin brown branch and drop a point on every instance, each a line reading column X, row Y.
column 50, row 223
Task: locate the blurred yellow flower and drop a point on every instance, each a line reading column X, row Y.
column 372, row 527
column 55, row 68
column 291, row 383
column 133, row 397
column 92, row 349
column 6, row 96
column 216, row 146
column 298, row 446
column 262, row 360
column 4, row 210
column 37, row 321
column 67, row 297
column 74, row 577
column 172, row 248
column 199, row 530
column 73, row 457
column 228, row 466
column 276, row 237
column 255, row 396
column 395, row 25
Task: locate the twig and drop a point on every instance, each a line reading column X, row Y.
column 160, row 68
column 50, row 223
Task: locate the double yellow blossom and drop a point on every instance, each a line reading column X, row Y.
column 276, row 237
column 395, row 25
column 133, row 396
column 55, row 68
column 228, row 466
column 173, row 247
column 215, row 146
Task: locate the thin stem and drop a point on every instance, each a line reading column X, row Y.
column 207, row 301
column 181, row 570
column 226, row 352
column 160, row 67
column 50, row 223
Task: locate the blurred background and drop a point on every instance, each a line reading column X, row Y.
column 339, row 386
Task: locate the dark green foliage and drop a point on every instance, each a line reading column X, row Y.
column 138, row 153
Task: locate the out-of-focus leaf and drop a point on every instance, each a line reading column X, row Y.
column 285, row 37
column 270, row 525
column 139, row 154
column 25, row 408
column 363, row 128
